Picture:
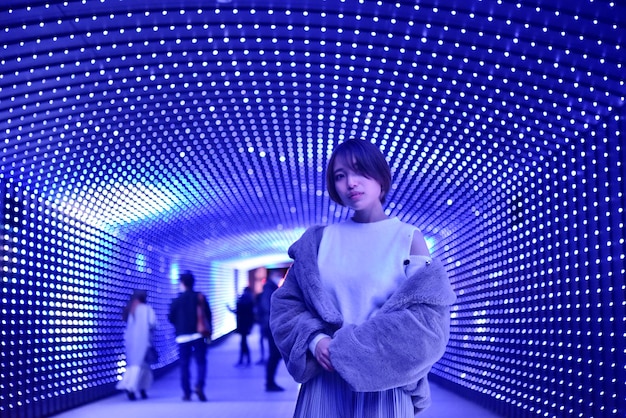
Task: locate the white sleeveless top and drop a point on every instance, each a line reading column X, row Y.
column 361, row 264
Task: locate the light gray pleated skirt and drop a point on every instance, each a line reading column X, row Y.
column 329, row 396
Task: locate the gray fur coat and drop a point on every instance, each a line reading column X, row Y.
column 395, row 348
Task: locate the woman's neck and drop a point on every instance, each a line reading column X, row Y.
column 364, row 217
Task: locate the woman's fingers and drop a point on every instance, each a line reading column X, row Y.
column 322, row 354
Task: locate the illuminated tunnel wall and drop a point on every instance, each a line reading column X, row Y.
column 142, row 138
column 539, row 274
column 64, row 286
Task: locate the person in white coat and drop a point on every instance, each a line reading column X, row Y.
column 140, row 324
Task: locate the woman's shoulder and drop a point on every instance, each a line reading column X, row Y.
column 311, row 234
column 404, row 224
column 314, row 230
column 418, row 244
column 151, row 311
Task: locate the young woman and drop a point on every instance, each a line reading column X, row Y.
column 140, row 323
column 364, row 311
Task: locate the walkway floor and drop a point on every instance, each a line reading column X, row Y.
column 240, row 392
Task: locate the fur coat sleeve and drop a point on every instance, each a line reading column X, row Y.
column 300, row 309
column 394, row 348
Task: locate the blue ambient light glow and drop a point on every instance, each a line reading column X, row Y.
column 141, row 139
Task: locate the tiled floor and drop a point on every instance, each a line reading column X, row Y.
column 239, row 392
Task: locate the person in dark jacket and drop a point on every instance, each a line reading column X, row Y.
column 262, row 334
column 184, row 315
column 245, row 321
column 271, row 284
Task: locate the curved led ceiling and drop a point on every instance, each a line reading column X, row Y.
column 192, row 121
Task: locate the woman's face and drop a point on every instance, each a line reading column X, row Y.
column 356, row 190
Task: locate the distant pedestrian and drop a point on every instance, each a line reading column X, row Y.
column 140, row 324
column 245, row 322
column 186, row 313
column 262, row 335
column 270, row 286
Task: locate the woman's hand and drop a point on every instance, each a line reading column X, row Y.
column 322, row 354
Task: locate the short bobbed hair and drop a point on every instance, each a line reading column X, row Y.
column 140, row 295
column 187, row 279
column 364, row 158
